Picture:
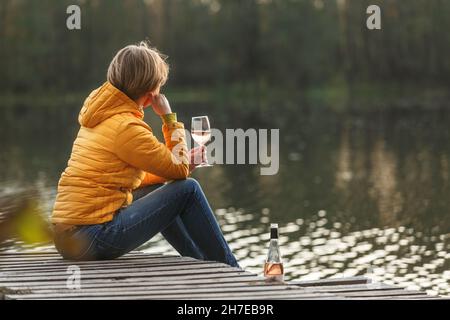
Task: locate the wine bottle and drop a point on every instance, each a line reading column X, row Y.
column 273, row 268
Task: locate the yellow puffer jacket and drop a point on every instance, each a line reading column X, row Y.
column 115, row 152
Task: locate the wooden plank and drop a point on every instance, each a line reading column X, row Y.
column 160, row 290
column 43, row 259
column 95, row 262
column 118, row 267
column 57, row 255
column 120, row 274
column 338, row 289
column 19, row 265
column 205, row 282
column 28, row 254
column 331, row 281
column 52, row 254
column 331, row 297
column 99, row 262
column 202, row 283
column 88, row 271
column 239, row 281
column 365, row 298
column 167, row 295
column 373, row 293
column 187, row 298
column 164, row 290
column 406, row 298
column 152, row 273
column 109, row 266
column 205, row 272
column 205, row 276
column 200, row 278
column 354, row 288
column 142, row 276
column 424, row 297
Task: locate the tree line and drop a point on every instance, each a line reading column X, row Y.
column 268, row 43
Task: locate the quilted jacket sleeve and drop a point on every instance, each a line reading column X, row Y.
column 136, row 145
column 150, row 179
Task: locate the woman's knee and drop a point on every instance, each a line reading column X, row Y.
column 188, row 183
column 191, row 182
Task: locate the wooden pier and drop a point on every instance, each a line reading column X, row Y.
column 139, row 275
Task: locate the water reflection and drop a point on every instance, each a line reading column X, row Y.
column 354, row 195
column 383, row 178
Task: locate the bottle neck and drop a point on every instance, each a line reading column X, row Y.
column 274, row 255
column 274, row 233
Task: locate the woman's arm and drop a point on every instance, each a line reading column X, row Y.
column 150, row 179
column 136, row 145
column 194, row 154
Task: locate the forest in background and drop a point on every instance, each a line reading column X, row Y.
column 254, row 47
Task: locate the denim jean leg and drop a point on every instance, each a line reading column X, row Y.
column 137, row 223
column 178, row 209
column 178, row 237
column 202, row 225
column 175, row 234
column 143, row 191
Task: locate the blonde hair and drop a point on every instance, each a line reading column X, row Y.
column 137, row 69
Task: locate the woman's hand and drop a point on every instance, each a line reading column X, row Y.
column 160, row 105
column 197, row 156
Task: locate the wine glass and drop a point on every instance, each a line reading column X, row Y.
column 201, row 133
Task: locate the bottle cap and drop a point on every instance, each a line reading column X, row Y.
column 274, row 231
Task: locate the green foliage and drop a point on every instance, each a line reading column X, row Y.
column 22, row 218
column 269, row 43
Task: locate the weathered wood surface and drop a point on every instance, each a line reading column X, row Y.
column 142, row 276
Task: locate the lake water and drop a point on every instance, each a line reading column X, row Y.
column 355, row 194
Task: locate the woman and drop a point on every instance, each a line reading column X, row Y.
column 114, row 154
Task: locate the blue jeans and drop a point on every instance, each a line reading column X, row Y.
column 179, row 210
